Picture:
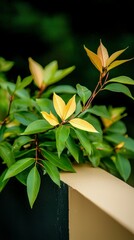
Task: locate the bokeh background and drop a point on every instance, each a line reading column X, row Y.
column 58, row 30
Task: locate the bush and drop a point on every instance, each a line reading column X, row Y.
column 46, row 128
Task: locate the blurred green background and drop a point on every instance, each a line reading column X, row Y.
column 57, row 30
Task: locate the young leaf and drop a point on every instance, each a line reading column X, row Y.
column 82, row 124
column 18, row 167
column 50, row 118
column 33, row 185
column 64, row 110
column 59, row 105
column 69, row 108
column 94, row 59
column 49, row 72
column 123, row 166
column 118, row 87
column 60, row 74
column 116, row 54
column 49, row 75
column 62, row 133
column 117, row 63
column 52, row 171
column 37, row 72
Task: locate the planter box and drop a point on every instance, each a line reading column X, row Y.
column 101, row 206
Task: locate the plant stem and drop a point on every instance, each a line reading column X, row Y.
column 98, row 88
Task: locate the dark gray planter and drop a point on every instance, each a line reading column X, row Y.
column 48, row 220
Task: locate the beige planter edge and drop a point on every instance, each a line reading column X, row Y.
column 110, row 194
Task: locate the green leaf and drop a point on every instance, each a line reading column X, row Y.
column 37, row 126
column 22, row 105
column 63, row 162
column 94, row 158
column 60, row 74
column 53, row 75
column 73, row 148
column 100, row 111
column 122, row 79
column 49, row 71
column 103, row 148
column 33, row 185
column 110, row 167
column 25, row 82
column 84, row 140
column 2, row 182
column 2, row 132
column 59, row 89
column 25, row 153
column 13, row 131
column 20, row 141
column 45, row 104
column 18, row 167
column 22, row 176
column 6, row 153
column 117, row 127
column 52, row 171
column 62, row 133
column 25, row 117
column 118, row 138
column 5, row 65
column 123, row 166
column 97, row 124
column 78, row 109
column 18, row 82
column 118, row 87
column 83, row 92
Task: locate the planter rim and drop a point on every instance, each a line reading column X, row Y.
column 110, row 194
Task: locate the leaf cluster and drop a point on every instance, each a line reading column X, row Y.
column 46, row 128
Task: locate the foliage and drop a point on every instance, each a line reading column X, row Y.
column 47, row 128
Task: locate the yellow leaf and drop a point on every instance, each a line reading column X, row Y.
column 82, row 124
column 69, row 108
column 59, row 105
column 117, row 63
column 37, row 72
column 107, row 122
column 119, row 145
column 94, row 59
column 50, row 118
column 114, row 56
column 102, row 54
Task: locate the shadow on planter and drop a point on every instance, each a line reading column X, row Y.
column 47, row 220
